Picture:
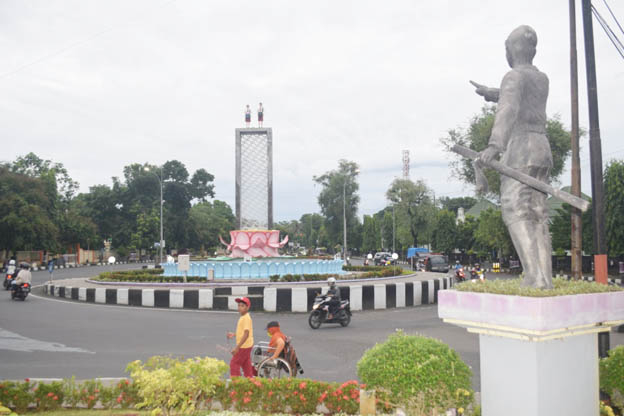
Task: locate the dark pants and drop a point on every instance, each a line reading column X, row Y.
column 333, row 306
column 241, row 360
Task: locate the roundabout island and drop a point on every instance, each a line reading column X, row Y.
column 366, row 288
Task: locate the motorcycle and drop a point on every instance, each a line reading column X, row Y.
column 477, row 274
column 8, row 278
column 460, row 276
column 20, row 291
column 320, row 311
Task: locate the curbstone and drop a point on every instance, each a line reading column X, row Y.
column 375, row 296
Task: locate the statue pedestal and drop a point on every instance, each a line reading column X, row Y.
column 539, row 356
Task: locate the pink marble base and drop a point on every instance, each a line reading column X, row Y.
column 531, row 314
column 254, row 243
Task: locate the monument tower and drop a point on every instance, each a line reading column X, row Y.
column 254, row 236
column 254, row 178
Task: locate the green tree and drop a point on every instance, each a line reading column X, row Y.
column 453, row 204
column 560, row 229
column 208, row 221
column 27, row 212
column 614, row 207
column 339, row 187
column 466, row 234
column 414, row 211
column 491, row 233
column 311, row 225
column 477, row 135
column 445, row 232
column 370, row 235
column 146, row 231
column 35, row 167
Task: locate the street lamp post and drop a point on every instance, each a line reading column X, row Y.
column 344, row 222
column 160, row 244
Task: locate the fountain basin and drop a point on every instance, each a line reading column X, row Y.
column 256, row 269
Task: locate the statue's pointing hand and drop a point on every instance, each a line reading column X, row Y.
column 490, row 94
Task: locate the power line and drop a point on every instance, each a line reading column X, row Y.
column 610, row 34
column 612, row 15
column 76, row 44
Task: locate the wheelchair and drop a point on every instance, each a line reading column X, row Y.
column 267, row 368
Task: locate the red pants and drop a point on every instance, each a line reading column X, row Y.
column 241, row 360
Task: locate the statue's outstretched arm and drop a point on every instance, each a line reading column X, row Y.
column 490, row 94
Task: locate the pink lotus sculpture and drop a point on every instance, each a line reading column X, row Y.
column 254, row 243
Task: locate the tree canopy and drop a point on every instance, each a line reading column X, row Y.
column 477, row 135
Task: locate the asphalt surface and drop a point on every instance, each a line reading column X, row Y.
column 47, row 337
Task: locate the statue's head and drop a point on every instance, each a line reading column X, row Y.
column 520, row 46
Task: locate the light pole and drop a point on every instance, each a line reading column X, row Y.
column 160, row 244
column 344, row 221
column 393, row 230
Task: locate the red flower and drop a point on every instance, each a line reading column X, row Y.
column 270, row 393
column 55, row 398
column 27, row 380
column 127, row 382
column 362, row 386
column 339, row 391
column 302, row 385
column 97, row 390
column 323, row 396
column 232, row 394
column 345, row 398
column 303, row 399
column 119, row 399
column 246, row 400
column 50, row 394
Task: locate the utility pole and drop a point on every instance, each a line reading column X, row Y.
column 595, row 153
column 576, row 237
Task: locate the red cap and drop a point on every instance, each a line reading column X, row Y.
column 246, row 301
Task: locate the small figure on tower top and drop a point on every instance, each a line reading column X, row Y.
column 260, row 115
column 247, row 116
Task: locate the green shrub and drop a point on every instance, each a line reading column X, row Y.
column 561, row 287
column 173, row 385
column 419, row 373
column 49, row 396
column 612, row 376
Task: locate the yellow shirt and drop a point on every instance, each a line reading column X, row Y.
column 244, row 322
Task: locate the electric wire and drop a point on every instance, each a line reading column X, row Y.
column 612, row 15
column 78, row 42
column 610, row 34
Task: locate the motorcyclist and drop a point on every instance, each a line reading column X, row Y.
column 458, row 266
column 476, row 271
column 334, row 293
column 11, row 267
column 23, row 276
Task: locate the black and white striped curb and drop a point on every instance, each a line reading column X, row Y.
column 78, row 265
column 269, row 299
column 615, row 281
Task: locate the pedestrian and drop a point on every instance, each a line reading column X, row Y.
column 247, row 116
column 260, row 115
column 241, row 354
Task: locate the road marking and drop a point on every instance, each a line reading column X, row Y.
column 16, row 342
column 90, row 304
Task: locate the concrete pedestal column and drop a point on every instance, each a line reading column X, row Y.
column 556, row 377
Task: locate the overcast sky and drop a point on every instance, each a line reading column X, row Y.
column 97, row 85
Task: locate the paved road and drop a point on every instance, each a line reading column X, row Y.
column 49, row 337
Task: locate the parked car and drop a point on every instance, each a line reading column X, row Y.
column 437, row 263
